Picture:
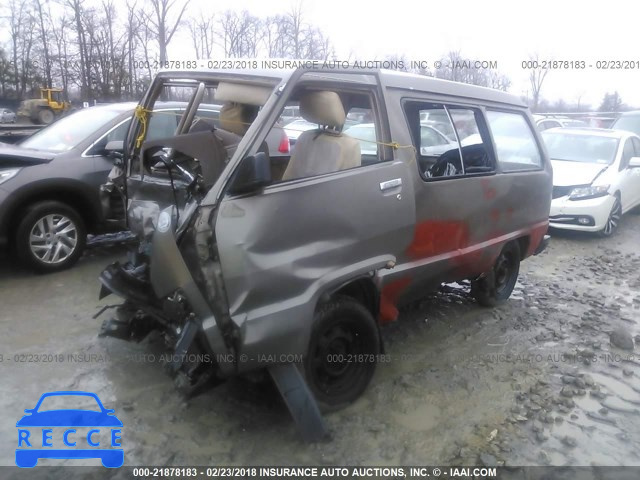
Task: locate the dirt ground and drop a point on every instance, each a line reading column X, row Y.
column 537, row 381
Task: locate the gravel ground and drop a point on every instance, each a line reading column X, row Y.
column 546, row 379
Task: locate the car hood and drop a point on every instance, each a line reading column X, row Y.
column 567, row 174
column 16, row 156
column 69, row 418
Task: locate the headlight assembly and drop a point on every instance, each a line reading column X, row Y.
column 592, row 191
column 8, row 173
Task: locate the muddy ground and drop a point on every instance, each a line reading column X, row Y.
column 534, row 382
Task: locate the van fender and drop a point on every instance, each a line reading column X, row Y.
column 169, row 272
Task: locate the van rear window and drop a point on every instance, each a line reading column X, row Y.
column 516, row 146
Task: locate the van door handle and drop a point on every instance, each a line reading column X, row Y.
column 389, row 184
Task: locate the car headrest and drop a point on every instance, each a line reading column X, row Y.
column 242, row 93
column 232, row 118
column 324, row 108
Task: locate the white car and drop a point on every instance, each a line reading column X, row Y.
column 432, row 141
column 545, row 123
column 596, row 177
column 294, row 129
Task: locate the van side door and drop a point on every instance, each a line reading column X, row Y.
column 283, row 247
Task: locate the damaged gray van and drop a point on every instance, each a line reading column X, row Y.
column 290, row 263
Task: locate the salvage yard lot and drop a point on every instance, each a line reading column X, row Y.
column 535, row 381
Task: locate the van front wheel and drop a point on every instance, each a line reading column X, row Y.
column 342, row 354
column 495, row 286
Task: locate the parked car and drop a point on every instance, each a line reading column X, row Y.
column 432, row 141
column 262, row 270
column 289, row 114
column 7, row 116
column 294, row 129
column 546, row 123
column 596, row 178
column 629, row 121
column 599, row 121
column 50, row 183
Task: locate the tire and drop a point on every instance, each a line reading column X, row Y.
column 613, row 222
column 343, row 329
column 50, row 237
column 46, row 116
column 496, row 285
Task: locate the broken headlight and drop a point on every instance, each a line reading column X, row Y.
column 592, row 191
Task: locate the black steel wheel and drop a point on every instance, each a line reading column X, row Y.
column 495, row 286
column 342, row 354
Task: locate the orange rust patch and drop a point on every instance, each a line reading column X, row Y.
column 536, row 237
column 434, row 237
column 389, row 298
column 488, row 191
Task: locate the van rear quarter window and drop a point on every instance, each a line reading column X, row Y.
column 516, row 147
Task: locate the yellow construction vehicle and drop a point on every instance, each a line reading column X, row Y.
column 44, row 110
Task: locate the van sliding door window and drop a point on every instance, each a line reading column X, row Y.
column 516, row 146
column 451, row 141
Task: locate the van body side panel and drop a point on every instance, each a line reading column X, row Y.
column 282, row 248
column 462, row 223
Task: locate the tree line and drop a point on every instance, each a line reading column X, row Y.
column 108, row 50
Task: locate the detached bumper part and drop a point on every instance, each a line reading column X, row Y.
column 300, row 401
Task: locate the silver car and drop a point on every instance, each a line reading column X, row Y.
column 7, row 116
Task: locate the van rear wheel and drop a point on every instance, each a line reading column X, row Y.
column 342, row 354
column 495, row 286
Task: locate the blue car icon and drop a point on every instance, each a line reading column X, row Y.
column 28, row 451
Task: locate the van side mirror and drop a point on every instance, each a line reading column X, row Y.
column 634, row 162
column 253, row 173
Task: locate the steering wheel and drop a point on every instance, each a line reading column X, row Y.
column 189, row 114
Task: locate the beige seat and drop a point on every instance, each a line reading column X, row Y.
column 235, row 119
column 325, row 149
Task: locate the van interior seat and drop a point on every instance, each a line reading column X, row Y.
column 325, row 149
column 235, row 119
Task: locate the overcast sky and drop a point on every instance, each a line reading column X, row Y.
column 508, row 32
column 491, row 29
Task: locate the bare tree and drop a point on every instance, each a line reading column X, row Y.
column 144, row 35
column 458, row 68
column 234, row 30
column 20, row 22
column 203, row 35
column 536, row 79
column 160, row 24
column 45, row 43
column 273, row 34
column 77, row 7
column 499, row 81
column 132, row 25
column 291, row 36
column 59, row 31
